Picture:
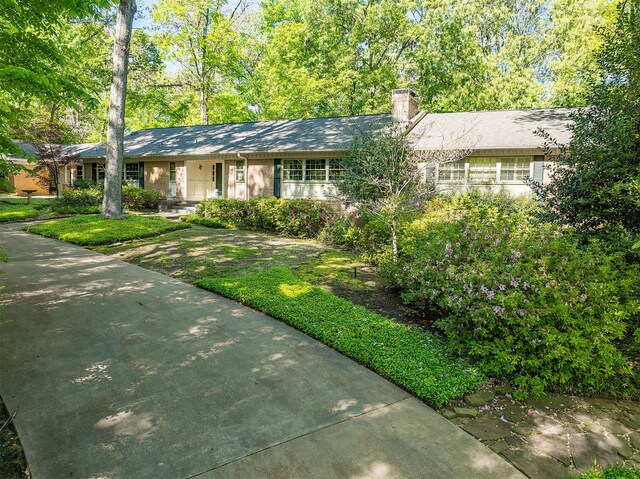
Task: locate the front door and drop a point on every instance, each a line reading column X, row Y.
column 203, row 178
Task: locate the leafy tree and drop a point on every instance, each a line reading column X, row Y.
column 385, row 177
column 32, row 61
column 201, row 36
column 595, row 182
column 112, row 201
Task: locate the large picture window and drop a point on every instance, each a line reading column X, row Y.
column 319, row 170
column 515, row 169
column 486, row 170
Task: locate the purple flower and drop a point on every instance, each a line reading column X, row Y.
column 502, row 287
column 514, row 283
column 448, row 248
column 490, row 294
column 496, row 242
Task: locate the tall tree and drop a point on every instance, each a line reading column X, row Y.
column 112, row 202
column 595, row 182
column 202, row 37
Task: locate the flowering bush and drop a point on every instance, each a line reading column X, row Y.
column 522, row 296
column 305, row 218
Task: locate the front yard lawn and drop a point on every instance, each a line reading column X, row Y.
column 94, row 230
column 408, row 355
column 17, row 209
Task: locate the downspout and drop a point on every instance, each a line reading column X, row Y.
column 246, row 175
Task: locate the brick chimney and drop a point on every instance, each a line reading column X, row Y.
column 404, row 105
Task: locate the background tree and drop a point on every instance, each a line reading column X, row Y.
column 201, row 36
column 112, row 201
column 595, row 183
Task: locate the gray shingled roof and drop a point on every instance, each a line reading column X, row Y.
column 484, row 130
column 319, row 134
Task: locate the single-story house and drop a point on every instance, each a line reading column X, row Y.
column 299, row 158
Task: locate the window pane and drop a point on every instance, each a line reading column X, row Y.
column 292, row 170
column 515, row 169
column 239, row 171
column 131, row 172
column 453, row 171
column 335, row 169
column 79, row 172
column 172, row 171
column 316, row 170
column 100, row 171
column 482, row 170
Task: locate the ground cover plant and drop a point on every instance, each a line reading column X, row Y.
column 95, row 230
column 408, row 355
column 17, row 209
column 628, row 472
column 523, row 297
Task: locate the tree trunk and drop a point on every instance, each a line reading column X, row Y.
column 112, row 202
column 394, row 240
column 204, row 116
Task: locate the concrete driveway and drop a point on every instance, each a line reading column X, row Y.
column 119, row 372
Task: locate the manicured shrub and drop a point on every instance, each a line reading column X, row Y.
column 524, row 297
column 138, row 199
column 89, row 200
column 408, row 355
column 304, row 218
column 83, row 201
column 617, row 472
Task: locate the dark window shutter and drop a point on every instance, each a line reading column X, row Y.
column 277, row 171
column 538, row 169
column 141, row 174
column 94, row 172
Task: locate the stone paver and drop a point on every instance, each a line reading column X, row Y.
column 119, row 372
column 555, row 436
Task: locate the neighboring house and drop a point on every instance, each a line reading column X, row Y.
column 299, row 158
column 29, row 180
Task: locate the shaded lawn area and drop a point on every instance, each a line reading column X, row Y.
column 200, row 252
column 17, row 209
column 205, row 252
column 411, row 357
column 94, row 230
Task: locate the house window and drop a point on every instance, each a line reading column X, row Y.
column 239, row 171
column 315, row 170
column 482, row 170
column 172, row 171
column 453, row 171
column 335, row 169
column 100, row 171
column 132, row 174
column 79, row 172
column 515, row 169
column 292, row 170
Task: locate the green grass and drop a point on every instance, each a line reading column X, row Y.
column 17, row 209
column 94, row 230
column 413, row 358
column 208, row 222
column 629, row 472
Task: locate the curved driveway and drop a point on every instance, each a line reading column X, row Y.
column 119, row 372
